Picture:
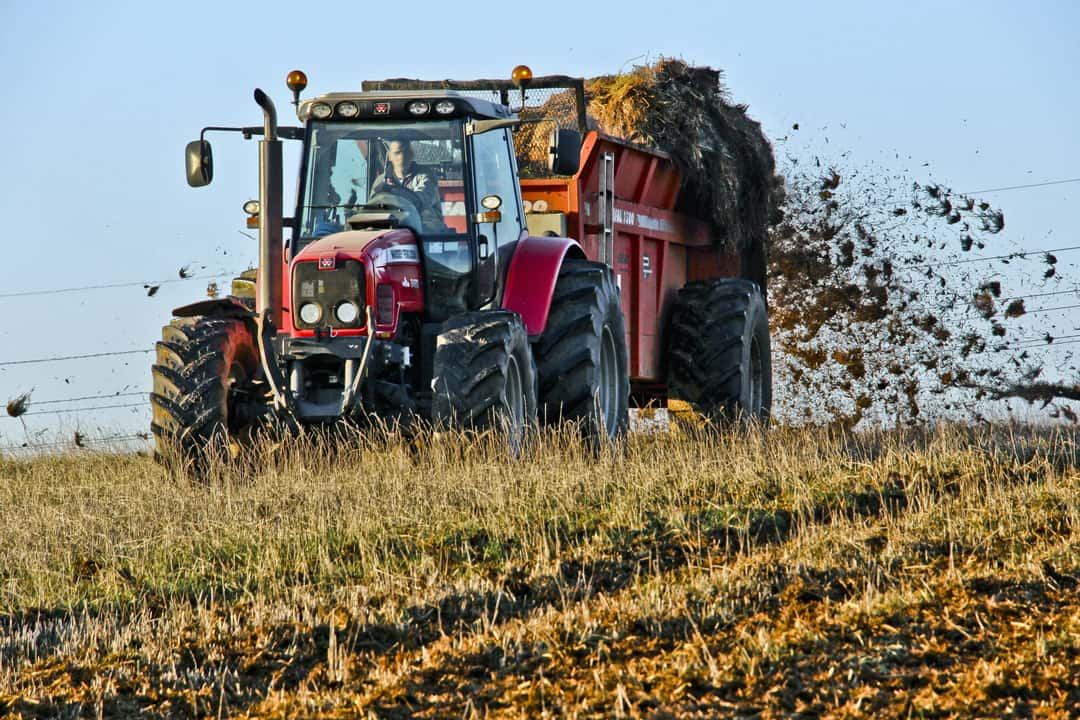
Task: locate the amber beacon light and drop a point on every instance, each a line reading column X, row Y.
column 296, row 81
column 521, row 75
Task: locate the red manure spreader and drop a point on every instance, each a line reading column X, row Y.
column 422, row 275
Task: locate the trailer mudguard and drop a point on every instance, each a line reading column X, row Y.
column 530, row 280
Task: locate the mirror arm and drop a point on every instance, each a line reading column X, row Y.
column 288, row 133
column 214, row 128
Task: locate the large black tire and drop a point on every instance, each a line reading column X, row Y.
column 202, row 387
column 719, row 359
column 582, row 356
column 484, row 375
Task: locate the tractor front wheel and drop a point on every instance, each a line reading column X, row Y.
column 484, row 376
column 204, row 395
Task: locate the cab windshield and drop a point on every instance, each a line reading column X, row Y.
column 383, row 174
column 379, row 175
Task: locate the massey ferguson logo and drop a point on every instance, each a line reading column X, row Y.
column 327, row 262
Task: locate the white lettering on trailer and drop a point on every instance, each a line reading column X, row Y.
column 623, row 216
column 650, row 223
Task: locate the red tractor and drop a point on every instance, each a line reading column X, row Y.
column 423, row 277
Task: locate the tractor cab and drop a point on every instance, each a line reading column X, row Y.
column 438, row 164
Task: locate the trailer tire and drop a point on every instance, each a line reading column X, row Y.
column 582, row 356
column 484, row 375
column 719, row 363
column 203, row 389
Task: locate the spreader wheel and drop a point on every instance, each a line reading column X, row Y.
column 719, row 363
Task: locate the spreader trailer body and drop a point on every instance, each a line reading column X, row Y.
column 420, row 276
column 620, row 207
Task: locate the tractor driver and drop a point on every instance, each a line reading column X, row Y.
column 403, row 174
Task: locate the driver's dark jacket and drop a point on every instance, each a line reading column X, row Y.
column 420, row 185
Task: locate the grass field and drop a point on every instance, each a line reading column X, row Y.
column 795, row 573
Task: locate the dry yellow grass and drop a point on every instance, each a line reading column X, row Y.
column 895, row 575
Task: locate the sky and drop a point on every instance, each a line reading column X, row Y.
column 102, row 97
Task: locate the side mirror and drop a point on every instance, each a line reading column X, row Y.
column 564, row 157
column 200, row 163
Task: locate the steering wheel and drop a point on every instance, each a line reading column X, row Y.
column 400, row 191
column 401, row 208
column 434, row 222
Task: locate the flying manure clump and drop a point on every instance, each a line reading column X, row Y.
column 16, row 407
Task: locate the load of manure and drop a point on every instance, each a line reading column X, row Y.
column 729, row 175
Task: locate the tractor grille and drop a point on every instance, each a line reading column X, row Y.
column 328, row 289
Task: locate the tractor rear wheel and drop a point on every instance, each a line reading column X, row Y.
column 719, row 363
column 484, row 376
column 204, row 393
column 582, row 356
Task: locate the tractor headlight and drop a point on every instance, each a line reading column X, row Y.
column 310, row 313
column 419, row 107
column 347, row 109
column 347, row 313
column 444, row 107
column 321, row 111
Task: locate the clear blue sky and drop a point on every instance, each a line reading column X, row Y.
column 101, row 97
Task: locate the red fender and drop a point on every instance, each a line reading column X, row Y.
column 530, row 281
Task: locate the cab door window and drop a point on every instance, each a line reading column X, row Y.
column 493, row 170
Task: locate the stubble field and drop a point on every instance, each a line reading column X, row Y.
column 798, row 572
